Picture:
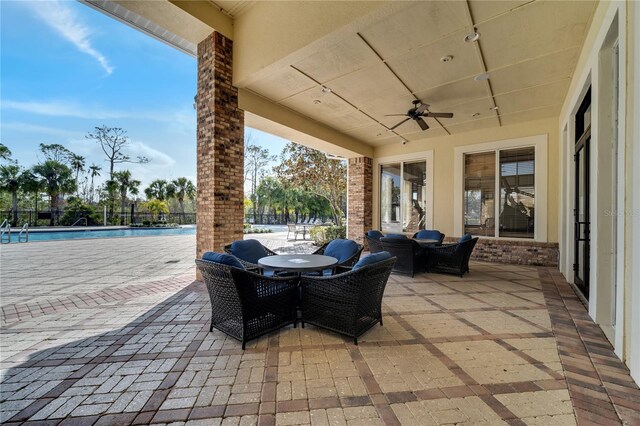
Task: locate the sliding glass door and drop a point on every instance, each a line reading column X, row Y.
column 403, row 196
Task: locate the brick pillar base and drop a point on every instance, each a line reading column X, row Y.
column 220, row 210
column 359, row 198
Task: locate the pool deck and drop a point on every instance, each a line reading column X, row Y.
column 115, row 331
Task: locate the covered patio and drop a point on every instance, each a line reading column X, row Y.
column 543, row 330
column 506, row 344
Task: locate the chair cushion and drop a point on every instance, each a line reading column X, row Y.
column 401, row 236
column 224, row 259
column 372, row 258
column 376, row 235
column 248, row 250
column 465, row 237
column 341, row 249
column 429, row 234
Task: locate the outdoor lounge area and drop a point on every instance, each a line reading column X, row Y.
column 488, row 270
column 506, row 344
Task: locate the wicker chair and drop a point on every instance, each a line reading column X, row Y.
column 347, row 303
column 373, row 241
column 347, row 261
column 430, row 235
column 409, row 253
column 246, row 305
column 249, row 262
column 451, row 258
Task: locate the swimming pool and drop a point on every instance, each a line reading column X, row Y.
column 105, row 233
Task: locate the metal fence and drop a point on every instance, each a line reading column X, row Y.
column 279, row 219
column 43, row 218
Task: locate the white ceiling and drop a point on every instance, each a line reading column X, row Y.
column 529, row 49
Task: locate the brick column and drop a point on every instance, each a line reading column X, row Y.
column 359, row 198
column 220, row 211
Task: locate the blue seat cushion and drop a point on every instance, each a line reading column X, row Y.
column 372, row 258
column 376, row 235
column 341, row 249
column 224, row 259
column 429, row 234
column 248, row 250
column 465, row 237
column 401, row 236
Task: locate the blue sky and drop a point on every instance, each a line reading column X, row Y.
column 66, row 68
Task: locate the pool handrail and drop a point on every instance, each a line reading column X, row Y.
column 79, row 220
column 5, row 229
column 24, row 233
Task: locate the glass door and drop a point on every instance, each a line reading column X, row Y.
column 581, row 202
column 403, row 197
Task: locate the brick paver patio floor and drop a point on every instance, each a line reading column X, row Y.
column 115, row 331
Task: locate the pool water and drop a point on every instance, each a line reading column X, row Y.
column 106, row 233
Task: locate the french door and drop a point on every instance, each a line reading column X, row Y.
column 582, row 223
column 581, row 215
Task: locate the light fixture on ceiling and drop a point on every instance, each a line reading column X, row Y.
column 482, row 77
column 446, row 59
column 472, row 36
column 493, row 108
column 475, row 114
column 325, row 89
column 317, row 101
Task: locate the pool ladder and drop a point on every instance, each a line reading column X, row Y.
column 5, row 233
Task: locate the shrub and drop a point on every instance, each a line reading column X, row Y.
column 146, row 223
column 77, row 209
column 324, row 234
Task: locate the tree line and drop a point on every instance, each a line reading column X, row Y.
column 66, row 179
column 304, row 184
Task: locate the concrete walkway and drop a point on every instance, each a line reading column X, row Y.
column 115, row 331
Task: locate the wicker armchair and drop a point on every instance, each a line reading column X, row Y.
column 250, row 261
column 409, row 253
column 348, row 260
column 246, row 305
column 451, row 258
column 348, row 303
column 373, row 241
column 430, row 235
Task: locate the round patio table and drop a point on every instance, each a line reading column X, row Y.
column 425, row 241
column 297, row 262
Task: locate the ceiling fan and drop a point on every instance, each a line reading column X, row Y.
column 416, row 113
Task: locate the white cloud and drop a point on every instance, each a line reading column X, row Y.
column 65, row 21
column 61, row 109
column 181, row 119
column 32, row 128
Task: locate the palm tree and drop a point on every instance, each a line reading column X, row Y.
column 30, row 184
column 94, row 171
column 10, row 182
column 157, row 189
column 57, row 179
column 180, row 189
column 126, row 186
column 156, row 207
column 77, row 163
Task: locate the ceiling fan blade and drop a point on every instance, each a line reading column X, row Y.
column 422, row 108
column 438, row 114
column 395, row 115
column 423, row 125
column 402, row 122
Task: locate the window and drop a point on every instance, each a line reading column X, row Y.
column 479, row 189
column 517, row 193
column 513, row 180
column 403, row 196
